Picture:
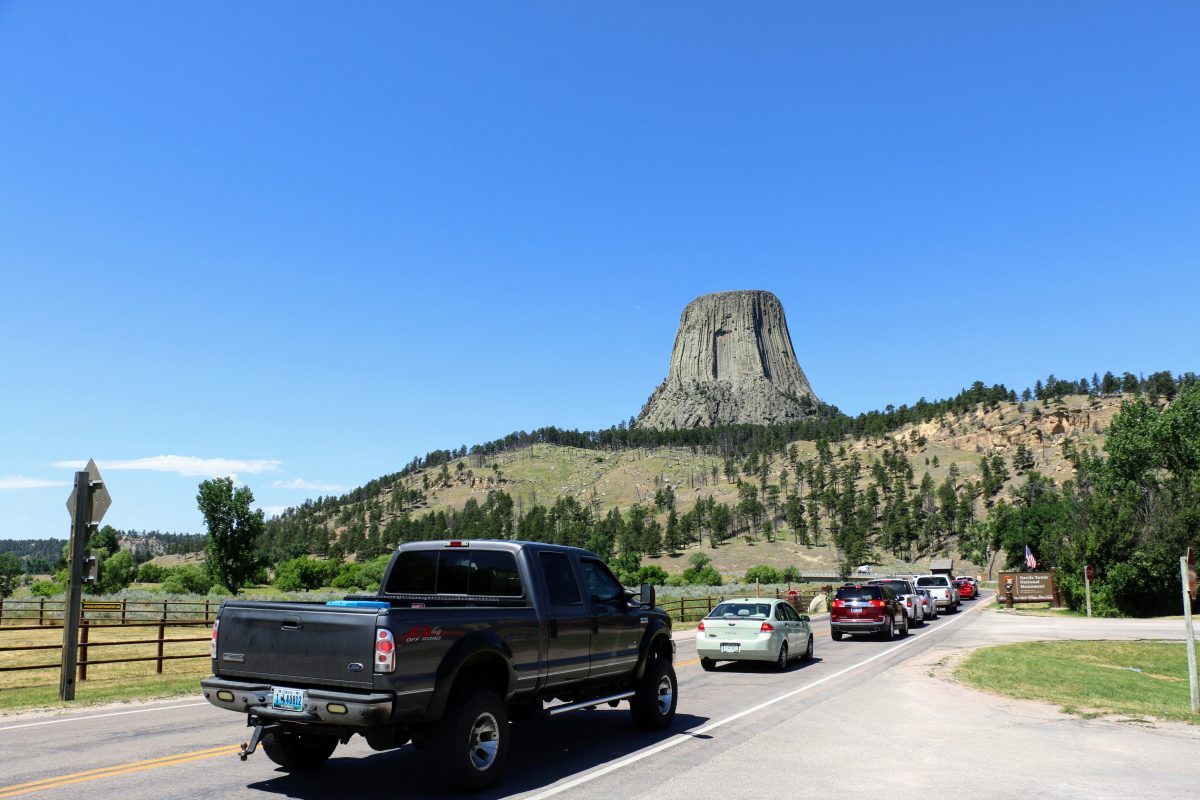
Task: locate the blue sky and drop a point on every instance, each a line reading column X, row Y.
column 302, row 243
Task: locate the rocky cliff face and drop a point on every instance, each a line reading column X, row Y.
column 732, row 362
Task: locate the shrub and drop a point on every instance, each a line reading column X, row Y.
column 761, row 573
column 151, row 573
column 186, row 579
column 46, row 589
column 219, row 591
column 654, row 575
column 304, row 574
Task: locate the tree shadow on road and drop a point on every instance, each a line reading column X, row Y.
column 543, row 751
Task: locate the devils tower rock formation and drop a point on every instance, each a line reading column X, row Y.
column 732, row 362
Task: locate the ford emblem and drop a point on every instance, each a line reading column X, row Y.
column 354, row 666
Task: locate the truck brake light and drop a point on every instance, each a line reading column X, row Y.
column 385, row 651
column 700, row 627
column 212, row 653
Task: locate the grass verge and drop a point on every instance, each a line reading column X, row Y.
column 1136, row 679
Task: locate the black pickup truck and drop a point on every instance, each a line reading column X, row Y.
column 461, row 636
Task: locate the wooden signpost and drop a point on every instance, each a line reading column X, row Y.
column 1029, row 587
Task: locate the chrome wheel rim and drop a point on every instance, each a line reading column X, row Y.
column 666, row 694
column 485, row 741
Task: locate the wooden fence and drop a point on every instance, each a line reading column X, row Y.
column 50, row 612
column 155, row 616
column 87, row 644
column 691, row 609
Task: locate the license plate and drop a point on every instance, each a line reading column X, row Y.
column 856, row 611
column 286, row 699
column 731, row 648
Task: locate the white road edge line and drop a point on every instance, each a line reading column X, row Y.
column 688, row 736
column 100, row 716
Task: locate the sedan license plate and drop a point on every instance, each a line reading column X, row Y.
column 286, row 699
column 727, row 647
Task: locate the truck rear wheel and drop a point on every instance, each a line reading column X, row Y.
column 657, row 694
column 298, row 752
column 470, row 743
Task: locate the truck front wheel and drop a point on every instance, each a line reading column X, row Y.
column 298, row 752
column 470, row 743
column 657, row 694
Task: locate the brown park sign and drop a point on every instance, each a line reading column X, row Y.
column 1029, row 587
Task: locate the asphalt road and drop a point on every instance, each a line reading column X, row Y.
column 836, row 723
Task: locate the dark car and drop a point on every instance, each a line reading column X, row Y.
column 867, row 608
column 965, row 588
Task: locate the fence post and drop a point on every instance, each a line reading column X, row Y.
column 123, row 602
column 206, row 609
column 164, row 609
column 83, row 648
column 1, row 610
column 162, row 633
column 41, row 611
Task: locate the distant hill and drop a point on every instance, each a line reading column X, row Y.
column 558, row 485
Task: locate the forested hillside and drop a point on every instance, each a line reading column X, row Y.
column 893, row 487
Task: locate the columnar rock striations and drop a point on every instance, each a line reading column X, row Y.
column 732, row 363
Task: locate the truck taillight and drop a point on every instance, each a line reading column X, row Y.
column 212, row 652
column 700, row 627
column 766, row 628
column 385, row 650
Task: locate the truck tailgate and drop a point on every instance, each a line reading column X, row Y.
column 297, row 643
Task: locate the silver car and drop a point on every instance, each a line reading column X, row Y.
column 753, row 629
column 928, row 604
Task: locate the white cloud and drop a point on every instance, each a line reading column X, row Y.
column 187, row 466
column 308, row 486
column 21, row 482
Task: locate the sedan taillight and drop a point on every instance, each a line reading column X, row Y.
column 700, row 627
column 385, row 651
column 766, row 628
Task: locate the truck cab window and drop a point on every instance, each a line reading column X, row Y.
column 601, row 584
column 560, row 579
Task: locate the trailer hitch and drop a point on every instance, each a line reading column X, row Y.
column 259, row 729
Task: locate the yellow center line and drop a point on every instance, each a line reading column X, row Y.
column 116, row 769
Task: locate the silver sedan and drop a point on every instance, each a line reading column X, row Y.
column 753, row 629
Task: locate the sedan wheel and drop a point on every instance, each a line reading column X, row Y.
column 808, row 652
column 889, row 632
column 781, row 661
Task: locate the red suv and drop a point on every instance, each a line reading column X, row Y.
column 867, row 608
column 965, row 588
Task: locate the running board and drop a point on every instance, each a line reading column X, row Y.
column 612, row 698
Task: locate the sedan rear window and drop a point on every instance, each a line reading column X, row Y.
column 859, row 593
column 741, row 610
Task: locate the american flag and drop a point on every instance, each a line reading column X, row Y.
column 1030, row 561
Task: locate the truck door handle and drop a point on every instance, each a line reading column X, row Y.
column 553, row 629
column 292, row 624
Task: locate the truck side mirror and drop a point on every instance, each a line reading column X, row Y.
column 647, row 596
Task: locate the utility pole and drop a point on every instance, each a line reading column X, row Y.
column 87, row 504
column 1188, row 583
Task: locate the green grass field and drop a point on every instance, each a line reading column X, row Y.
column 1138, row 680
